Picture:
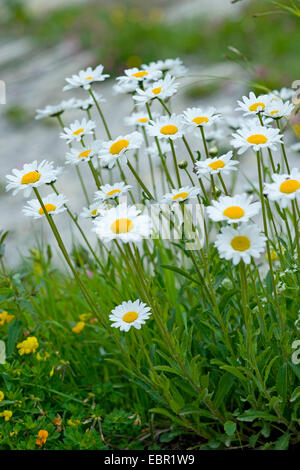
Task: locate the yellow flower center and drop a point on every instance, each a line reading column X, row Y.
column 48, row 207
column 182, row 195
column 143, row 120
column 140, row 74
column 216, row 165
column 129, row 317
column 274, row 112
column 79, row 131
column 89, row 78
column 31, row 177
column 254, row 106
column 118, row 146
column 94, row 212
column 240, row 243
column 121, row 226
column 84, row 154
column 200, row 120
column 169, row 129
column 112, row 192
column 234, row 212
column 157, row 90
column 257, row 139
column 289, row 186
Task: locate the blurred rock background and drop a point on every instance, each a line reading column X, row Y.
column 229, row 47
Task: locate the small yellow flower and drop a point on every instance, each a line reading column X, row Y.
column 73, row 423
column 1, row 395
column 5, row 318
column 42, row 437
column 78, row 327
column 51, row 372
column 41, row 357
column 6, row 414
column 28, row 346
column 85, row 316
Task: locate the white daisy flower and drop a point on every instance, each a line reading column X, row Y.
column 236, row 209
column 55, row 110
column 113, row 150
column 123, row 223
column 278, row 109
column 139, row 119
column 125, row 87
column 112, row 191
column 253, row 104
column 182, row 194
column 283, row 94
column 84, row 78
column 74, row 156
column 174, row 66
column 130, row 314
column 240, row 243
column 212, row 166
column 196, row 117
column 162, row 89
column 139, row 75
column 284, row 188
column 77, row 130
column 89, row 102
column 256, row 137
column 54, row 204
column 31, row 176
column 166, row 127
column 93, row 210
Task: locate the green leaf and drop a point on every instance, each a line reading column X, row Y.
column 180, row 271
column 283, row 442
column 251, row 415
column 230, row 428
column 13, row 336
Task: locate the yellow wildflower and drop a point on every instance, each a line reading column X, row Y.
column 5, row 318
column 78, row 327
column 85, row 316
column 6, row 414
column 28, row 346
column 1, row 395
column 42, row 437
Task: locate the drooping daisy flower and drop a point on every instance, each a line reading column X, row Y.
column 212, row 166
column 162, row 89
column 89, row 102
column 240, row 243
column 253, row 104
column 139, row 119
column 277, row 109
column 196, row 117
column 139, row 75
column 181, row 194
column 236, row 209
column 84, row 78
column 93, row 210
column 123, row 223
column 283, row 94
column 112, row 191
column 31, row 176
column 77, row 130
column 74, row 156
column 256, row 137
column 125, row 87
column 130, row 314
column 55, row 110
column 54, row 204
column 174, row 66
column 285, row 188
column 113, row 150
column 166, row 127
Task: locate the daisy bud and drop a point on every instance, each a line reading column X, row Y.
column 183, row 164
column 213, row 151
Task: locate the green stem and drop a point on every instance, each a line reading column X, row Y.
column 101, row 114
